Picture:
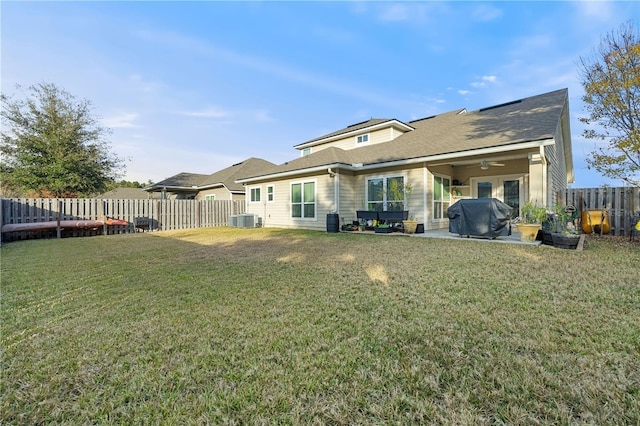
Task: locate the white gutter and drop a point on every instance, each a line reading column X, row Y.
column 544, row 176
column 439, row 157
column 336, row 189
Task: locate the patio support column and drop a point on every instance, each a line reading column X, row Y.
column 536, row 180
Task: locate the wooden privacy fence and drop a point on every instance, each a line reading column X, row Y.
column 622, row 205
column 155, row 214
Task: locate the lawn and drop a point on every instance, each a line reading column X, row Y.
column 238, row 326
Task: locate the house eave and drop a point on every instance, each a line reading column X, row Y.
column 405, row 162
column 170, row 188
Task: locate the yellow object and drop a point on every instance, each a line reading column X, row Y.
column 638, row 225
column 595, row 221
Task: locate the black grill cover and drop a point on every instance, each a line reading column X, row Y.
column 480, row 217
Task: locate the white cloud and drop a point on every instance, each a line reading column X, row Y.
column 600, row 10
column 486, row 13
column 484, row 81
column 463, row 92
column 394, row 13
column 211, row 112
column 125, row 120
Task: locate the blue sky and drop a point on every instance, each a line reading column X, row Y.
column 198, row 86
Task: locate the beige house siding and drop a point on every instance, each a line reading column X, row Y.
column 557, row 177
column 350, row 198
column 278, row 213
column 220, row 193
column 353, row 191
column 350, row 142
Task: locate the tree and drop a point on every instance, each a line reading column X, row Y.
column 52, row 146
column 611, row 81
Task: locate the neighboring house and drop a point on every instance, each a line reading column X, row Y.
column 220, row 185
column 516, row 151
column 123, row 193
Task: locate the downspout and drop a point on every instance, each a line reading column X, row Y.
column 544, row 176
column 336, row 189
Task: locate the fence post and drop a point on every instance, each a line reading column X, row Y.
column 58, row 230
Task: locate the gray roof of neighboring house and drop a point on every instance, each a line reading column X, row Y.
column 530, row 119
column 181, row 180
column 123, row 193
column 225, row 177
column 228, row 176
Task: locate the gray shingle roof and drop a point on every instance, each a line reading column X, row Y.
column 225, row 177
column 228, row 176
column 181, row 180
column 123, row 193
column 530, row 119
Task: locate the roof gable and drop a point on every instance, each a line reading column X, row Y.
column 357, row 128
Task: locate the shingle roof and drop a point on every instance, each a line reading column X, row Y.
column 225, row 177
column 530, row 119
column 228, row 176
column 181, row 180
column 123, row 193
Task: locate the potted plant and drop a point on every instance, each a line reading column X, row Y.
column 383, row 228
column 401, row 193
column 531, row 218
column 565, row 234
column 410, row 225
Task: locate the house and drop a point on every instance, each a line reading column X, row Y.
column 124, row 193
column 220, row 185
column 515, row 151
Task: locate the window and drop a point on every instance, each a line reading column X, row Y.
column 362, row 139
column 511, row 194
column 255, row 195
column 306, row 152
column 441, row 196
column 210, row 197
column 385, row 193
column 485, row 189
column 270, row 194
column 303, row 200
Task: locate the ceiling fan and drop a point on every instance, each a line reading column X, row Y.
column 485, row 164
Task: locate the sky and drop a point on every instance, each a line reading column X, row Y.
column 199, row 86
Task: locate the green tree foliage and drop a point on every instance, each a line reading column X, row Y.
column 53, row 147
column 611, row 81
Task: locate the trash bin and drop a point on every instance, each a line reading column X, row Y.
column 333, row 222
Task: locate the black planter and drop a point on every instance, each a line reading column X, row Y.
column 565, row 241
column 393, row 216
column 379, row 230
column 547, row 237
column 367, row 215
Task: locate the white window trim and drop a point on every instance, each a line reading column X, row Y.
column 363, row 142
column 433, row 201
column 251, row 188
column 315, row 200
column 307, row 151
column 384, row 176
column 273, row 193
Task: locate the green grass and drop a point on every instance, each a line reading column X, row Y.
column 233, row 326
